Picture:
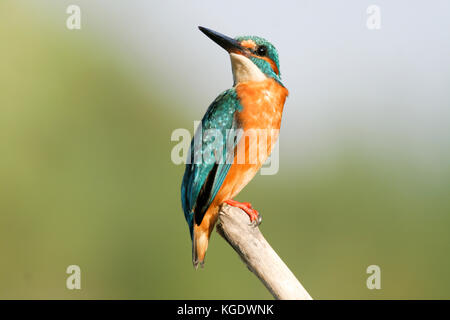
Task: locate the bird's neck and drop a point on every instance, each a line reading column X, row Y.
column 244, row 70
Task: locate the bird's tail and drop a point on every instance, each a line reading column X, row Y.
column 199, row 245
column 201, row 236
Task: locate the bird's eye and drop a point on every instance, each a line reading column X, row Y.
column 261, row 51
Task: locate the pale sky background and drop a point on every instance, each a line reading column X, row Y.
column 386, row 89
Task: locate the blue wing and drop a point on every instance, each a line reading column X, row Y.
column 204, row 175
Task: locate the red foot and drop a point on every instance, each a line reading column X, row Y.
column 247, row 207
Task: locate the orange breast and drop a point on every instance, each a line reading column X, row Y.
column 262, row 103
column 260, row 118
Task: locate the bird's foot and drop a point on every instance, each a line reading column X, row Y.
column 254, row 215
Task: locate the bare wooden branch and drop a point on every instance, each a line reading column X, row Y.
column 234, row 226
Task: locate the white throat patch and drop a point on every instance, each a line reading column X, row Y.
column 244, row 69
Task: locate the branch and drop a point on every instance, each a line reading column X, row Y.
column 258, row 255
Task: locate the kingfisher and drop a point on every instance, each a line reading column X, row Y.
column 254, row 102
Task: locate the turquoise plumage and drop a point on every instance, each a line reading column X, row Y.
column 220, row 115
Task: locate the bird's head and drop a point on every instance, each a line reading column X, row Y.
column 252, row 58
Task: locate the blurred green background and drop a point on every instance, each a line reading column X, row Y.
column 86, row 178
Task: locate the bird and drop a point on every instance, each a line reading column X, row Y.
column 254, row 102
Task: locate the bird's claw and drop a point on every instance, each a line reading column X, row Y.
column 255, row 216
column 256, row 221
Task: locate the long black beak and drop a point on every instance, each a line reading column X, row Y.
column 229, row 44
